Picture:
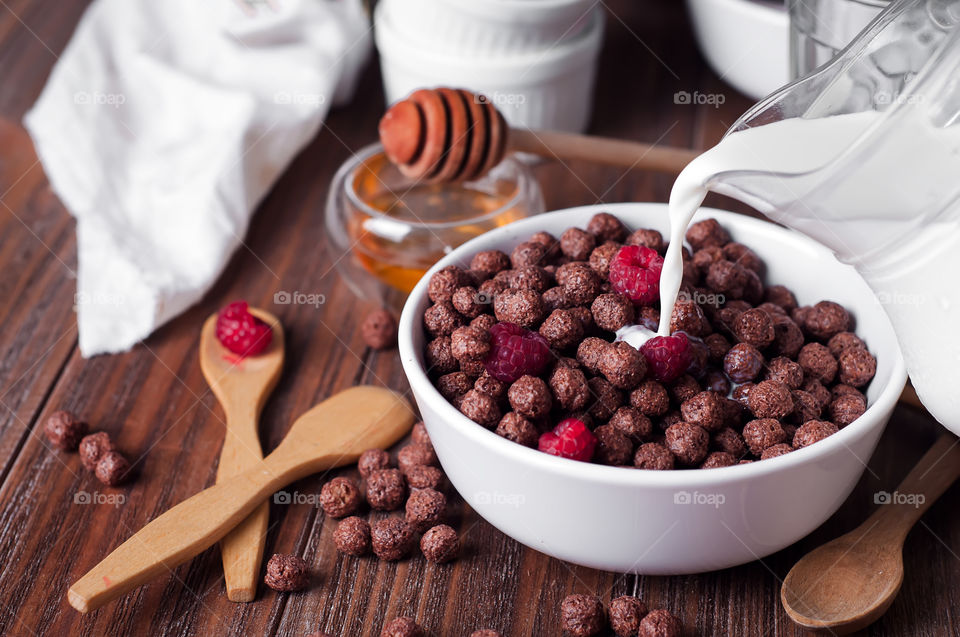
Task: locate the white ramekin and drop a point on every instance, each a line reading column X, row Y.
column 549, row 89
column 490, row 27
column 662, row 522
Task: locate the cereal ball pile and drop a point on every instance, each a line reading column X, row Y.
column 97, row 452
column 584, row 616
column 524, row 344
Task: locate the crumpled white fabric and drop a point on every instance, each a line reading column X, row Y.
column 162, row 126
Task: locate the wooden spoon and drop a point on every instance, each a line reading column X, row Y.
column 847, row 584
column 331, row 434
column 444, row 134
column 242, row 386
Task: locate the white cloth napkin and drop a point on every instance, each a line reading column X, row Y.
column 163, row 125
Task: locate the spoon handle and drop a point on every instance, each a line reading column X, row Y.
column 182, row 532
column 929, row 478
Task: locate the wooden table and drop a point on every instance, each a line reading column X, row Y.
column 155, row 403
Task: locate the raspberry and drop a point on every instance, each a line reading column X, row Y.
column 515, row 352
column 635, row 272
column 240, row 331
column 570, row 439
column 667, row 356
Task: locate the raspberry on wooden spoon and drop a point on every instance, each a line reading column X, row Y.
column 570, row 439
column 240, row 331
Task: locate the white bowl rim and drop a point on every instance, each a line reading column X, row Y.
column 420, row 383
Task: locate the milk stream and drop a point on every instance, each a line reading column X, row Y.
column 883, row 214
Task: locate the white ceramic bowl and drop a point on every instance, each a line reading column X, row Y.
column 662, row 522
column 550, row 88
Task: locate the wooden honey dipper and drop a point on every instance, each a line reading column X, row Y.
column 445, row 134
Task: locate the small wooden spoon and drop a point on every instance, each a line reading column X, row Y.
column 848, row 583
column 331, row 434
column 242, row 386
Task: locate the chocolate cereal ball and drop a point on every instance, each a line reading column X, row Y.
column 813, row 431
column 445, row 282
column 415, row 454
column 590, row 352
column 782, row 296
column 653, row 456
column 530, row 397
column 623, row 365
column 647, row 237
column 379, row 329
column 577, row 244
column 776, row 450
column 660, row 623
column 857, row 366
column 687, row 442
column 469, row 343
column 788, row 337
column 373, row 460
column 730, row 441
column 64, row 431
column 601, row 257
column 612, row 311
column 439, row 356
column 786, row 371
column 490, row 261
column 569, row 387
column 391, row 539
column 613, row 447
column 531, row 277
column 684, row 388
column 562, row 329
column 523, row 307
column 386, row 489
column 763, row 433
column 441, row 319
column 469, row 301
column 770, row 399
column 424, row 477
column 846, row 408
column 112, row 468
column 418, row 433
column 582, row 615
column 705, row 233
column 286, row 573
column 518, row 429
column 631, row 422
column 717, row 459
column 340, row 497
column 606, row 399
column 625, row 614
column 826, row 319
column 705, row 409
column 93, row 447
column 352, row 536
column 742, row 363
column 487, row 384
column 402, row 627
column 581, row 285
column 817, row 362
column 480, row 408
column 605, row 227
column 651, row 398
column 440, row 544
column 425, row 508
column 842, row 341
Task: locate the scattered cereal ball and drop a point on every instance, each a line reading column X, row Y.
column 625, row 614
column 660, row 623
column 445, row 282
column 340, row 497
column 529, row 396
column 518, row 429
column 623, row 365
column 490, row 261
column 352, row 536
column 786, row 371
column 773, row 451
column 373, row 460
column 402, row 627
column 762, row 433
column 440, row 544
column 705, row 233
column 653, row 455
column 562, row 329
column 688, row 442
column 480, row 408
column 605, row 227
column 439, row 356
column 651, row 398
column 386, row 489
column 569, row 387
column 770, row 399
column 64, row 431
column 813, row 431
column 826, row 319
column 717, row 459
column 424, row 477
column 112, row 468
column 607, row 399
column 647, row 237
column 93, row 447
column 730, row 441
column 857, row 366
column 742, row 363
column 469, row 343
column 577, row 244
column 391, row 539
column 379, row 329
column 846, row 408
column 591, row 351
column 817, row 362
column 613, row 447
column 523, row 307
column 782, row 296
column 286, row 573
column 441, row 319
column 754, row 327
column 425, row 508
column 582, row 615
column 612, row 311
column 415, row 454
column 704, row 409
column 631, row 422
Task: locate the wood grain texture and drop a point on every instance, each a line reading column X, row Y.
column 156, row 404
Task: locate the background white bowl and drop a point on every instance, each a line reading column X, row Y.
column 661, row 522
